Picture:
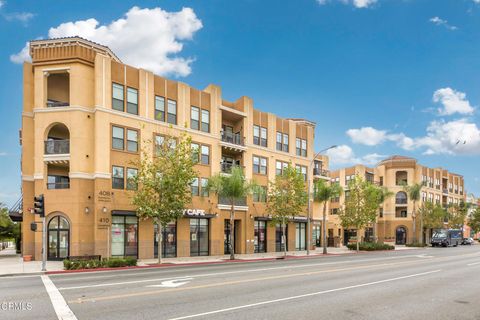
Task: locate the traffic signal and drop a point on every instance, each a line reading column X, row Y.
column 39, row 205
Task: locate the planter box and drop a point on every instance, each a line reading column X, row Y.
column 27, row 258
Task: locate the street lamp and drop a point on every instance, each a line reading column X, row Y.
column 310, row 172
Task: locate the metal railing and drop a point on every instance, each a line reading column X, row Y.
column 445, row 190
column 233, row 138
column 238, row 202
column 57, row 146
column 58, row 185
column 54, row 104
column 226, row 167
column 321, row 172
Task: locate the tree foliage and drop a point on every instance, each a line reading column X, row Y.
column 361, row 204
column 432, row 215
column 457, row 213
column 287, row 197
column 164, row 181
column 474, row 220
column 233, row 187
column 414, row 193
column 9, row 230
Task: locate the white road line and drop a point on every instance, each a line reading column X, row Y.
column 304, row 295
column 223, row 273
column 59, row 304
column 473, row 264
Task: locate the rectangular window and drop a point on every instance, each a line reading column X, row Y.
column 205, row 120
column 301, row 147
column 172, row 112
column 302, row 170
column 279, row 141
column 131, row 174
column 205, row 157
column 117, row 97
column 132, row 140
column 204, row 182
column 118, row 138
column 195, row 189
column 195, row 118
column 263, row 137
column 280, row 166
column 256, row 135
column 285, row 142
column 260, row 196
column 195, row 148
column 160, row 108
column 159, row 140
column 259, row 165
column 118, row 178
column 132, row 101
column 282, row 141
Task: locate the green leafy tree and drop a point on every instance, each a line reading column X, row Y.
column 361, row 205
column 164, row 182
column 457, row 213
column 414, row 194
column 233, row 187
column 384, row 195
column 474, row 221
column 323, row 192
column 287, row 197
column 432, row 215
column 9, row 230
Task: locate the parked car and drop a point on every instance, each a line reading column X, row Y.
column 467, row 241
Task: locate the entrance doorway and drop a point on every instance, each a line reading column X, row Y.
column 58, row 238
column 300, row 236
column 199, row 236
column 348, row 234
column 331, row 239
column 401, row 236
column 124, row 236
column 317, row 236
column 279, row 244
column 226, row 236
column 260, row 236
column 169, row 244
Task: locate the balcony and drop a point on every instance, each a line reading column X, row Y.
column 445, row 190
column 232, row 141
column 321, row 173
column 226, row 167
column 239, row 204
column 58, row 89
column 57, row 147
column 58, row 185
column 56, row 104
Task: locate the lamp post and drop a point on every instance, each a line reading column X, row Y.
column 310, row 172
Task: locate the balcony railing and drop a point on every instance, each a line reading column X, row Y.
column 54, row 104
column 226, row 167
column 238, row 202
column 233, row 138
column 321, row 172
column 445, row 190
column 57, row 147
column 58, row 185
column 401, row 201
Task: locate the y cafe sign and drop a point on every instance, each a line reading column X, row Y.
column 193, row 212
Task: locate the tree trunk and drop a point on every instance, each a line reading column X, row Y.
column 324, row 228
column 358, row 242
column 414, row 229
column 160, row 241
column 284, row 239
column 232, row 224
column 421, row 230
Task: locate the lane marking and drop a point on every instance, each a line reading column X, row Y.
column 59, row 304
column 223, row 273
column 233, row 282
column 304, row 295
column 473, row 264
column 172, row 283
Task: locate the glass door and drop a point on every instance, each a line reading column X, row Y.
column 260, row 236
column 300, row 236
column 118, row 234
column 280, row 243
column 199, row 237
column 317, row 236
column 124, row 236
column 58, row 238
column 169, row 245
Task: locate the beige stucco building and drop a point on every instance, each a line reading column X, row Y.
column 85, row 118
column 395, row 223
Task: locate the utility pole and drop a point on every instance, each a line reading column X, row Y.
column 39, row 208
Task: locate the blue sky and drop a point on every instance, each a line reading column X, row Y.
column 378, row 77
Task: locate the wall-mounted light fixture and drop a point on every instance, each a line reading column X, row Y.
column 104, row 209
column 87, row 209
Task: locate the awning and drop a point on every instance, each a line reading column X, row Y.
column 124, row 213
column 15, row 216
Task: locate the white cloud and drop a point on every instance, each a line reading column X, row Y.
column 19, row 16
column 355, row 3
column 22, row 56
column 344, row 155
column 146, row 38
column 441, row 22
column 2, row 3
column 367, row 135
column 452, row 101
column 3, row 154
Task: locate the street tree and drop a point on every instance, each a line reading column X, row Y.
column 414, row 193
column 233, row 187
column 361, row 205
column 165, row 173
column 384, row 195
column 287, row 197
column 323, row 192
column 432, row 216
column 457, row 213
column 474, row 220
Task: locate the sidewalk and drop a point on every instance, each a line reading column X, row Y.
column 13, row 264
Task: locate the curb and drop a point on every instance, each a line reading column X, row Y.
column 39, row 273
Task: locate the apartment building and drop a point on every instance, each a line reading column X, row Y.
column 395, row 222
column 86, row 116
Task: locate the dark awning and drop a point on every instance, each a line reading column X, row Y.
column 15, row 216
column 123, row 213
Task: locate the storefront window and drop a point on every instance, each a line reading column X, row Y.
column 316, row 236
column 199, row 237
column 279, row 244
column 300, row 236
column 124, row 236
column 260, row 236
column 169, row 245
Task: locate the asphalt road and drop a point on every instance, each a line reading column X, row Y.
column 433, row 283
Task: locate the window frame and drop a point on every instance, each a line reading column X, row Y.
column 207, row 155
column 114, row 178
column 131, row 90
column 171, row 102
column 158, row 111
column 128, row 130
column 205, row 125
column 195, row 187
column 118, row 86
column 113, row 137
column 192, row 120
column 129, row 185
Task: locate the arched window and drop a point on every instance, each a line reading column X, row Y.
column 401, row 197
column 58, row 238
column 401, row 178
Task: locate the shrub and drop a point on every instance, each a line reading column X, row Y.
column 416, row 244
column 94, row 264
column 370, row 246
